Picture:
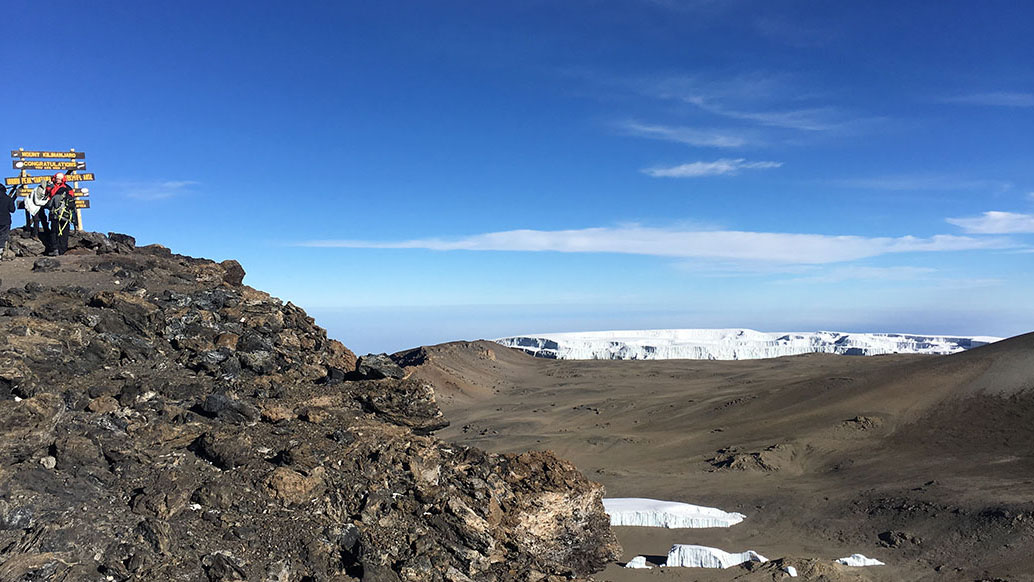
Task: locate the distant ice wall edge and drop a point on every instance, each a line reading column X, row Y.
column 732, row 344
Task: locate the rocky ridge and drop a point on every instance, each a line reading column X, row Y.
column 159, row 420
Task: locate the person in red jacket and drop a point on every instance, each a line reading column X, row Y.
column 59, row 194
column 57, row 182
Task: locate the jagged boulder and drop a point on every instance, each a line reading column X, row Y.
column 22, row 244
column 234, row 272
column 378, row 366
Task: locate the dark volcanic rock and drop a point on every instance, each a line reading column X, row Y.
column 377, row 366
column 122, row 241
column 234, row 272
column 229, row 409
column 183, row 426
column 46, row 265
column 24, row 245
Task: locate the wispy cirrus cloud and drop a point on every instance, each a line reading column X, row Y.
column 921, row 182
column 154, row 190
column 775, row 101
column 789, row 248
column 996, row 222
column 805, row 119
column 993, row 99
column 724, row 166
column 865, row 273
column 694, row 136
column 792, row 32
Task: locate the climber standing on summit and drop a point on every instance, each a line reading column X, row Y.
column 59, row 205
column 7, row 206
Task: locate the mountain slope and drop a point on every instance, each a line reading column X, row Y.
column 159, row 420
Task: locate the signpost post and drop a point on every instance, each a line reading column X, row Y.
column 70, row 162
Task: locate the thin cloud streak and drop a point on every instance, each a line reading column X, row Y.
column 700, row 137
column 863, row 273
column 905, row 183
column 753, row 97
column 996, row 222
column 996, row 99
column 724, row 166
column 792, row 33
column 787, row 248
column 807, row 119
column 158, row 190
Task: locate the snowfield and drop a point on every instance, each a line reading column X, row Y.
column 635, row 511
column 858, row 560
column 638, row 562
column 688, row 556
column 731, row 344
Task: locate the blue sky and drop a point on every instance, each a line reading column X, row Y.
column 416, row 172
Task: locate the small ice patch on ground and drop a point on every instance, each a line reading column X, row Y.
column 858, row 560
column 638, row 562
column 634, row 511
column 688, row 556
column 791, row 571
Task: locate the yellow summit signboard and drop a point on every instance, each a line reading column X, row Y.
column 37, row 155
column 26, row 180
column 48, row 165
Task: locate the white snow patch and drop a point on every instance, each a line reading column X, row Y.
column 791, row 571
column 732, row 344
column 638, row 562
column 634, row 511
column 859, row 560
column 688, row 556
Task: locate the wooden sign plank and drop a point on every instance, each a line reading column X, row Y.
column 87, row 177
column 82, row 203
column 36, row 154
column 48, row 165
column 77, row 192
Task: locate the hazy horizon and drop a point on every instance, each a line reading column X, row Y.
column 392, row 329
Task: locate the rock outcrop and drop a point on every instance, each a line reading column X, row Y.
column 159, row 420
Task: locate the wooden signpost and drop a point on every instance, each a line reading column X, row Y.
column 27, row 180
column 47, row 165
column 69, row 162
column 37, row 155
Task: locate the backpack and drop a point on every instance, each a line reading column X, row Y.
column 61, row 207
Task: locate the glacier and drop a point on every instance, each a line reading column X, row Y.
column 859, row 560
column 636, row 511
column 731, row 344
column 689, row 556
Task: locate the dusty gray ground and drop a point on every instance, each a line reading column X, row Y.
column 823, row 453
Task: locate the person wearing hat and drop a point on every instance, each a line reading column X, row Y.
column 59, row 203
column 7, row 207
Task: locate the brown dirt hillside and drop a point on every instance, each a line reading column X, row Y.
column 926, row 463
